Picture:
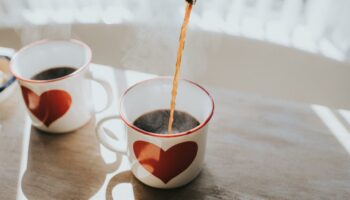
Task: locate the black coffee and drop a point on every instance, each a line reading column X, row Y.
column 54, row 73
column 157, row 121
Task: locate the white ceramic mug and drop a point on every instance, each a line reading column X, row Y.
column 63, row 104
column 163, row 160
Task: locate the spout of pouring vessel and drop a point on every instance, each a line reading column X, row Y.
column 191, row 1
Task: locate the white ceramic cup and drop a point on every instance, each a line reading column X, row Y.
column 63, row 104
column 163, row 160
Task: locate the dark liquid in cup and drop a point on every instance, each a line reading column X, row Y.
column 157, row 121
column 53, row 73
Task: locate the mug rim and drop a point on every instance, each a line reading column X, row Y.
column 44, row 41
column 195, row 129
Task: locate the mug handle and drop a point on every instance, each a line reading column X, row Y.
column 105, row 136
column 108, row 88
column 11, row 80
column 109, row 139
column 6, row 57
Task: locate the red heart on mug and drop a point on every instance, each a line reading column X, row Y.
column 49, row 106
column 165, row 164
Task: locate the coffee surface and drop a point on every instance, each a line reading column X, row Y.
column 53, row 73
column 157, row 121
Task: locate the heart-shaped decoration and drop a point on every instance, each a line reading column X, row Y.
column 49, row 106
column 165, row 164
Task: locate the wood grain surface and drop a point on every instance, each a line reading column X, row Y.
column 258, row 148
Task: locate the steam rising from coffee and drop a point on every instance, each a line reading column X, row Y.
column 145, row 41
column 154, row 45
column 157, row 121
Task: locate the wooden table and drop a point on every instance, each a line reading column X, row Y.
column 258, row 148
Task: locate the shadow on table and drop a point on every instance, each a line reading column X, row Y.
column 200, row 188
column 67, row 166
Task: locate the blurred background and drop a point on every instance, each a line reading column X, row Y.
column 290, row 49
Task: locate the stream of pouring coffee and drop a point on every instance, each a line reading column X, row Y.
column 178, row 63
